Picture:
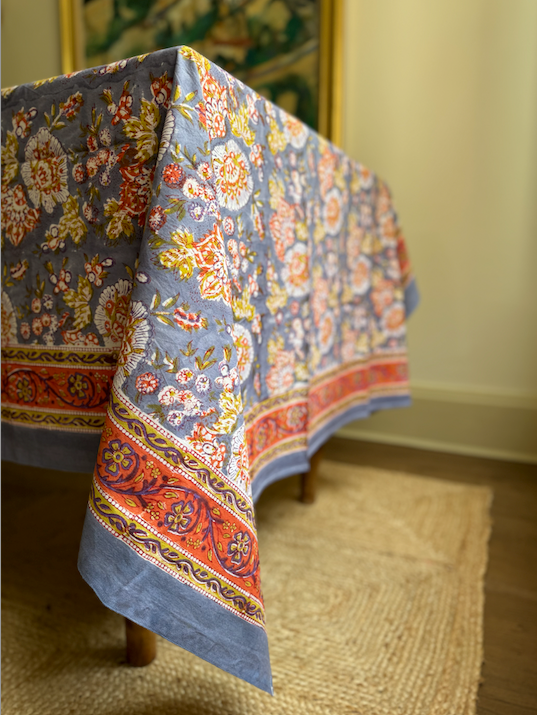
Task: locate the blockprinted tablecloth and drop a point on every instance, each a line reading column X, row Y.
column 197, row 291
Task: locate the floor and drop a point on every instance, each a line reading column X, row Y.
column 510, row 669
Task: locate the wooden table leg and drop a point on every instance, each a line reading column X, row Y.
column 141, row 644
column 309, row 479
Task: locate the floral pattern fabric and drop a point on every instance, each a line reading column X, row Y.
column 203, row 281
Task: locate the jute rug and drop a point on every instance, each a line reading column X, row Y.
column 374, row 599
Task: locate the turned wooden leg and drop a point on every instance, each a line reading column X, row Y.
column 141, row 644
column 309, row 479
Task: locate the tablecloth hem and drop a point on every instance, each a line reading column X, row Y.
column 298, row 462
column 155, row 600
column 412, row 297
column 357, row 412
column 40, row 448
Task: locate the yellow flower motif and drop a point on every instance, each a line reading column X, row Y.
column 314, row 358
column 230, row 408
column 301, row 230
column 355, row 181
column 276, row 192
column 274, row 346
column 362, row 344
column 277, row 139
column 339, row 177
column 79, row 300
column 143, row 130
column 319, row 232
column 242, row 308
column 301, row 371
column 202, row 64
column 240, row 127
column 277, row 299
column 367, row 244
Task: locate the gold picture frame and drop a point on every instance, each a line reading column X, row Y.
column 330, row 59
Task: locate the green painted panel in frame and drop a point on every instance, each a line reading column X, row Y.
column 271, row 45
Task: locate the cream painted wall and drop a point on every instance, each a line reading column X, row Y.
column 35, row 54
column 441, row 100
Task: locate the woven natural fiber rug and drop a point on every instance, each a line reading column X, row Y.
column 374, row 598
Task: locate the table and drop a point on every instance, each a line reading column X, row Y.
column 197, row 292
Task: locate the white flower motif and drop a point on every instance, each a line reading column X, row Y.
column 327, row 331
column 45, row 170
column 168, row 395
column 184, row 376
column 191, row 187
column 112, row 311
column 333, row 211
column 175, row 417
column 165, row 137
column 296, row 271
column 137, row 334
column 203, row 383
column 245, row 350
column 361, row 276
column 393, row 320
column 238, row 468
column 295, row 132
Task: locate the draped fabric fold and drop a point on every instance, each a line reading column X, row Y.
column 198, row 291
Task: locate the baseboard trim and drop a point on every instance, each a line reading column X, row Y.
column 435, row 446
column 439, row 392
column 498, row 426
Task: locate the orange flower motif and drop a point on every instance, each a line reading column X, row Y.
column 325, row 170
column 232, row 175
column 210, row 258
column 281, row 375
column 296, row 271
column 382, row 296
column 215, row 109
column 295, row 131
column 282, row 227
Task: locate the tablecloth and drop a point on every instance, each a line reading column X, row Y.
column 197, row 291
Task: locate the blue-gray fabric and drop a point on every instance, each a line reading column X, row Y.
column 153, row 599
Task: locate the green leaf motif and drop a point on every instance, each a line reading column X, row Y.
column 166, row 320
column 71, row 223
column 79, row 301
column 10, row 164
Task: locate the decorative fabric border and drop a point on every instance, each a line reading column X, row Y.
column 285, row 424
column 56, row 388
column 334, row 393
column 276, row 427
column 175, row 511
column 152, row 598
column 164, row 553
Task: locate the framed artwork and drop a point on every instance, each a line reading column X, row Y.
column 287, row 50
